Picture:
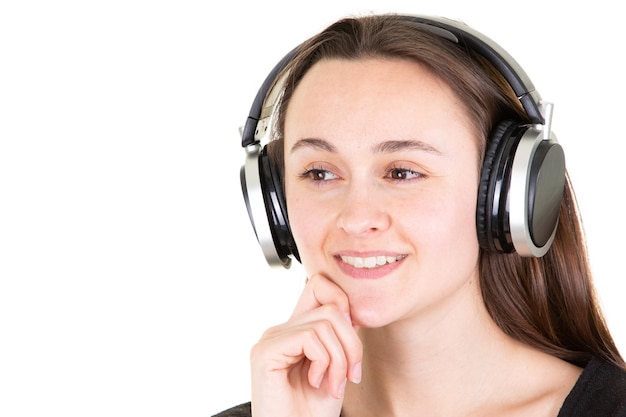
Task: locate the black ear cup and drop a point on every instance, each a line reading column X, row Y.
column 492, row 217
column 520, row 190
column 276, row 207
column 264, row 197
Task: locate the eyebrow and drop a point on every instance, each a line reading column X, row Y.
column 315, row 143
column 391, row 146
column 388, row 146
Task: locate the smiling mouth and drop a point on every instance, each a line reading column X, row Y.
column 371, row 261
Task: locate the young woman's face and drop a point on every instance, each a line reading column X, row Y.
column 381, row 180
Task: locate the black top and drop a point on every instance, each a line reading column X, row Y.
column 599, row 392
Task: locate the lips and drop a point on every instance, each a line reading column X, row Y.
column 370, row 262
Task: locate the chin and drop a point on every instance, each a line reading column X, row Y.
column 367, row 316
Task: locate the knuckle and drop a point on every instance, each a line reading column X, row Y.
column 329, row 310
column 323, row 326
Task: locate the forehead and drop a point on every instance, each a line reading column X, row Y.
column 365, row 98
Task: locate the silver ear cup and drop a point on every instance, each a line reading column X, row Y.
column 256, row 205
column 536, row 191
column 520, row 190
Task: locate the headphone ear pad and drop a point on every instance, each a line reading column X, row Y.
column 492, row 223
column 276, row 207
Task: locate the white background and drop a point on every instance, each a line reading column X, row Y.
column 131, row 283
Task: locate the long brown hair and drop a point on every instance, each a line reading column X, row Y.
column 548, row 302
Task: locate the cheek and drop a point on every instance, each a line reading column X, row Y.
column 303, row 220
column 441, row 221
column 307, row 221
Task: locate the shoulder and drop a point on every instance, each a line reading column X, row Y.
column 242, row 410
column 600, row 391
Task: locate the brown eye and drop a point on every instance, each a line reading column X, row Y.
column 403, row 174
column 318, row 175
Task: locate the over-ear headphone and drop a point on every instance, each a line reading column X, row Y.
column 521, row 182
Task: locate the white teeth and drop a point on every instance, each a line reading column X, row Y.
column 370, row 261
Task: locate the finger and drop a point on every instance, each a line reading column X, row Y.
column 347, row 336
column 326, row 319
column 281, row 348
column 337, row 366
column 320, row 291
column 314, row 345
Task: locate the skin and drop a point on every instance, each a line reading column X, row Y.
column 381, row 163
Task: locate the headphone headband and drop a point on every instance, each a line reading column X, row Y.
column 452, row 30
column 256, row 111
column 517, row 78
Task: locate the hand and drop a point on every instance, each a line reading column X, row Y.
column 300, row 368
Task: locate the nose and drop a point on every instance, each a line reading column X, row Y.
column 364, row 211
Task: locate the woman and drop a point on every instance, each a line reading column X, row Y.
column 384, row 143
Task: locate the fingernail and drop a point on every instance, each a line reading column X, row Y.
column 347, row 316
column 319, row 381
column 357, row 373
column 342, row 388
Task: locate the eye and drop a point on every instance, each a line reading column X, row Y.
column 403, row 174
column 318, row 174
